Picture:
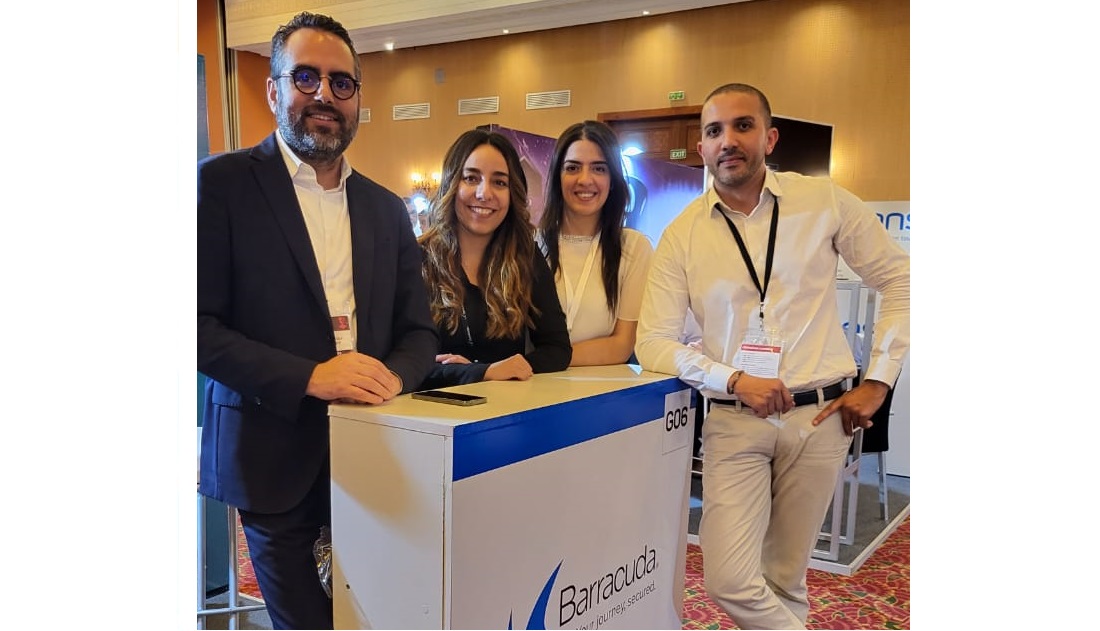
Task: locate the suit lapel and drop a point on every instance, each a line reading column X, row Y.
column 274, row 181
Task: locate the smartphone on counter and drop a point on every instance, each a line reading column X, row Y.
column 452, row 398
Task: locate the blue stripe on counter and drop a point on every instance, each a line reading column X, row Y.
column 501, row 441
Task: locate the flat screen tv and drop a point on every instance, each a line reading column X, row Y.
column 803, row 147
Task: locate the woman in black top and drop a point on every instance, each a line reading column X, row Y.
column 492, row 295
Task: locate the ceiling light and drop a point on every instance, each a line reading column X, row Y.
column 505, row 31
column 389, row 45
column 645, row 12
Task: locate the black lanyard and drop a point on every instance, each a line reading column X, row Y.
column 748, row 261
column 466, row 324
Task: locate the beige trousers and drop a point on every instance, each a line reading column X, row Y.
column 766, row 486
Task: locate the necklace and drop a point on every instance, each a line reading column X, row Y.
column 576, row 238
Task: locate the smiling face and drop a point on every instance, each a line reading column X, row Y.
column 736, row 138
column 483, row 196
column 318, row 127
column 585, row 183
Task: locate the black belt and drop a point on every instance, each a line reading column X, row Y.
column 802, row 398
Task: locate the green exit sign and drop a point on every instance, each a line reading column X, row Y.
column 678, row 95
column 678, row 154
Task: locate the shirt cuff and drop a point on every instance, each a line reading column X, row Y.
column 718, row 379
column 885, row 371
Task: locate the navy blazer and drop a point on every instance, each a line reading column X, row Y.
column 264, row 323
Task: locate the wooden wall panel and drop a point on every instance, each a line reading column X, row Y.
column 208, row 45
column 254, row 117
column 842, row 62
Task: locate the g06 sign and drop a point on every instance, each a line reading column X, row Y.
column 679, row 415
column 675, row 419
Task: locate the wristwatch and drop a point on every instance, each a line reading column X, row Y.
column 733, row 380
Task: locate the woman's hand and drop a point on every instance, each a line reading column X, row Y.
column 448, row 358
column 515, row 367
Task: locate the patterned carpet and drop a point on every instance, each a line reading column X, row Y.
column 876, row 597
column 246, row 577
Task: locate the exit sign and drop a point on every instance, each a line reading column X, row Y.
column 678, row 154
column 678, row 95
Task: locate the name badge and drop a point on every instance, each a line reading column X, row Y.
column 341, row 327
column 760, row 352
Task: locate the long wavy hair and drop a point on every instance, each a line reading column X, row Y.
column 506, row 268
column 611, row 215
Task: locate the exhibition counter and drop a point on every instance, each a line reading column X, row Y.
column 561, row 502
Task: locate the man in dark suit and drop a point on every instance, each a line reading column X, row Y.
column 309, row 291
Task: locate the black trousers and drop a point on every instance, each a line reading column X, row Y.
column 281, row 548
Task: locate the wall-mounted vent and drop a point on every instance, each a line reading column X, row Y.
column 483, row 105
column 412, row 111
column 543, row 100
column 364, row 115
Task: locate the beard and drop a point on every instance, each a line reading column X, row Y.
column 749, row 170
column 314, row 146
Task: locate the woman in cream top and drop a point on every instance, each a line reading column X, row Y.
column 599, row 266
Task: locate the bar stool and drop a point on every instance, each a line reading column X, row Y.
column 876, row 440
column 843, row 511
column 845, row 497
column 234, row 607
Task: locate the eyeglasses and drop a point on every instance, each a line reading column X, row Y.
column 308, row 81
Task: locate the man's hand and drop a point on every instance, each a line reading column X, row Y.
column 448, row 358
column 765, row 396
column 353, row 378
column 856, row 406
column 515, row 367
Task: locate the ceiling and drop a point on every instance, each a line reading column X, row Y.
column 408, row 23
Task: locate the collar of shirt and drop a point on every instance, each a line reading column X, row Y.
column 302, row 173
column 771, row 190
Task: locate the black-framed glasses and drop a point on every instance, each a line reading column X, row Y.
column 308, row 81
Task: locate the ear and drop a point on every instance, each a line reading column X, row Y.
column 272, row 94
column 699, row 149
column 773, row 137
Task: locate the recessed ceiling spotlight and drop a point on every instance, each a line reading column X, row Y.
column 645, row 12
column 389, row 45
column 505, row 31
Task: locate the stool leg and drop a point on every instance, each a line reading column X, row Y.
column 883, row 493
column 234, row 558
column 851, row 476
column 834, row 525
column 832, row 535
column 202, row 562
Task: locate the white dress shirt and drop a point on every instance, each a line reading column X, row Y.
column 329, row 224
column 698, row 265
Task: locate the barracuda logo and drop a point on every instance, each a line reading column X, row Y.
column 577, row 600
column 538, row 614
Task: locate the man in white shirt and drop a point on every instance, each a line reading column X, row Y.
column 773, row 360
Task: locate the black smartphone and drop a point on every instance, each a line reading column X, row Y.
column 453, row 398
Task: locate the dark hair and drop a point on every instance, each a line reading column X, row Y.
column 745, row 88
column 307, row 20
column 506, row 268
column 612, row 213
